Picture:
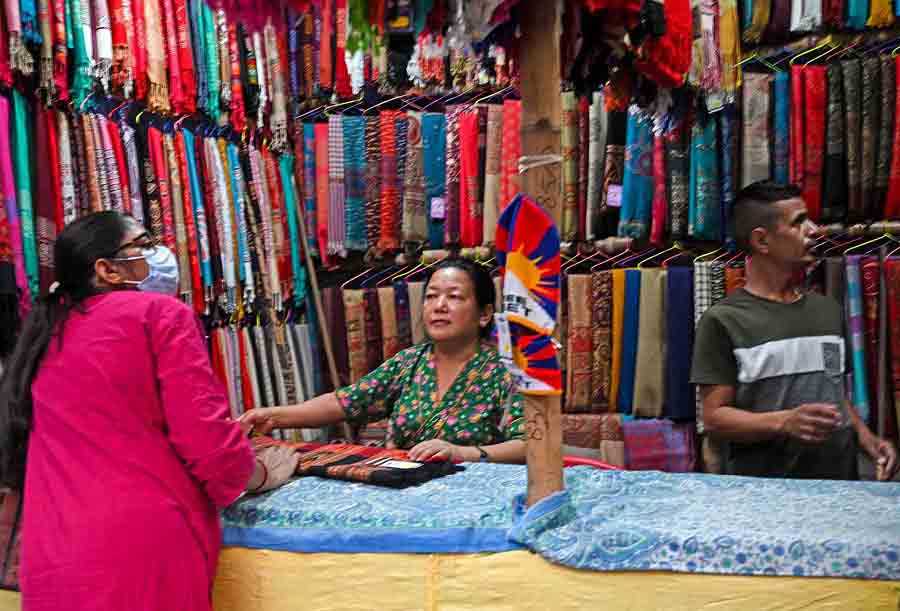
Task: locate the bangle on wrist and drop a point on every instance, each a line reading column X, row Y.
column 265, row 477
column 483, row 456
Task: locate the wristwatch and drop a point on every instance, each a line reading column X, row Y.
column 484, row 455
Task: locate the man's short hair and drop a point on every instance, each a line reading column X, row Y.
column 754, row 207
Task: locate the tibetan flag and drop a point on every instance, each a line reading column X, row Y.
column 530, row 357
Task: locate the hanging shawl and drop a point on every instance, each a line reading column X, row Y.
column 221, row 205
column 99, row 158
column 92, row 186
column 148, row 181
column 20, row 56
column 238, row 113
column 59, row 50
column 67, row 176
column 323, row 208
column 728, row 127
column 224, row 65
column 660, row 201
column 337, row 194
column 161, row 171
column 185, row 57
column 798, row 107
column 139, row 39
column 885, row 134
column 44, row 199
column 6, row 77
column 295, row 26
column 241, row 225
column 156, row 57
column 198, row 45
column 755, row 19
column 677, row 163
column 120, row 72
column 471, row 216
column 415, row 219
column 262, row 75
column 451, row 207
column 493, row 161
column 114, row 171
column 354, row 144
column 512, row 149
column 133, row 162
column 871, row 121
column 892, row 200
column 881, row 14
column 22, row 160
column 46, row 52
column 103, row 40
column 278, row 118
column 81, row 81
column 177, row 193
column 434, row 150
column 402, row 126
column 852, row 73
column 637, row 183
column 857, row 12
column 781, row 128
column 854, row 299
column 286, row 164
column 834, row 175
column 211, row 60
column 704, row 212
column 806, row 15
column 10, row 200
column 613, row 173
column 170, row 43
column 31, row 31
column 199, row 212
column 309, row 186
column 257, row 287
column 249, row 74
column 814, row 118
column 389, row 238
column 373, row 179
column 583, row 144
column 833, row 13
column 755, row 155
column 192, row 236
column 570, row 155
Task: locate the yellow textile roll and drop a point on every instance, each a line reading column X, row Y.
column 618, row 322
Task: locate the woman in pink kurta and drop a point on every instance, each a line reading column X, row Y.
column 130, row 452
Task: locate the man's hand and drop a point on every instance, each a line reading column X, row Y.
column 883, row 454
column 811, row 422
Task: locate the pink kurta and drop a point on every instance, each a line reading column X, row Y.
column 130, row 458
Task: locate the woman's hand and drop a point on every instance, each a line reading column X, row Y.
column 435, row 448
column 258, row 420
column 278, row 464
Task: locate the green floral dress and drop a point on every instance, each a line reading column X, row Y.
column 479, row 408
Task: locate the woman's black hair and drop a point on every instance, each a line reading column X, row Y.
column 77, row 248
column 485, row 292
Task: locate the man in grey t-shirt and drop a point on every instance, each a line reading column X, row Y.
column 770, row 360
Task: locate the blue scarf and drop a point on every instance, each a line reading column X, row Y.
column 309, row 186
column 630, row 329
column 197, row 41
column 355, row 182
column 237, row 196
column 729, row 151
column 680, row 396
column 199, row 213
column 434, row 144
column 286, row 165
column 637, row 186
column 704, row 214
column 31, row 31
column 782, row 126
column 857, row 14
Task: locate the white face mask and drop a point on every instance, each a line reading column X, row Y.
column 163, row 275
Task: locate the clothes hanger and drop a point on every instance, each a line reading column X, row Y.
column 675, row 246
column 579, row 256
column 488, row 96
column 446, row 98
column 633, row 256
column 866, row 243
column 707, row 254
column 390, row 278
column 598, row 253
column 383, row 102
column 344, row 285
column 611, row 259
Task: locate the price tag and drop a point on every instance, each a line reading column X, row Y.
column 614, row 196
column 438, row 208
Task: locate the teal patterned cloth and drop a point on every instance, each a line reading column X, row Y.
column 604, row 521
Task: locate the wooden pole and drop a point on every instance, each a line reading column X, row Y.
column 320, row 313
column 541, row 135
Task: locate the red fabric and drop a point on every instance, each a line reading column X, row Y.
column 892, row 280
column 377, row 14
column 470, row 212
column 253, row 14
column 158, row 159
column 186, row 57
column 870, row 269
column 6, row 77
column 238, row 112
column 246, row 385
column 390, row 193
column 279, row 218
column 342, row 85
column 60, row 50
column 798, row 107
column 892, row 201
column 833, row 13
column 666, row 60
column 199, row 301
column 44, row 204
column 326, row 58
column 54, row 170
column 323, row 200
column 121, row 164
column 660, row 201
column 140, row 49
column 630, row 7
column 170, row 45
column 510, row 151
column 813, row 114
column 659, row 445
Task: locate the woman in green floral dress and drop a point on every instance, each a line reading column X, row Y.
column 450, row 397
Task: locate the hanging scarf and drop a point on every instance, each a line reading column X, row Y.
column 10, row 200
column 857, row 12
column 198, row 46
column 834, row 180
column 280, row 230
column 322, row 188
column 756, row 18
column 814, row 128
column 649, row 380
column 211, row 60
column 100, row 148
column 434, row 146
column 755, row 141
column 677, row 145
column 402, row 126
column 892, row 285
column 660, row 203
column 295, row 25
column 309, row 186
column 704, row 215
column 79, row 168
column 492, row 169
column 601, row 327
column 857, row 341
column 578, row 354
column 181, row 236
column 373, row 180
column 471, row 215
column 192, row 236
column 22, row 160
column 31, row 31
column 238, row 113
column 729, row 39
column 415, row 219
column 199, row 213
column 337, row 191
column 852, row 73
column 308, row 39
column 44, row 201
column 511, row 150
column 6, row 76
column 158, row 95
column 613, row 174
column 871, row 121
column 870, row 271
column 570, row 155
column 781, row 123
column 451, row 207
column 833, row 13
column 402, row 310
column 326, row 56
column 374, row 344
column 798, row 107
column 46, row 52
column 81, row 81
column 103, row 42
column 637, row 181
column 728, row 127
column 630, row 328
column 185, row 58
column 122, row 39
column 90, row 165
column 170, row 46
column 56, row 175
column 110, row 137
column 129, row 143
column 806, row 15
column 67, row 177
column 354, row 139
column 390, row 342
column 892, row 200
column 881, row 14
column 390, row 197
column 160, row 170
column 885, row 134
column 242, row 221
column 256, row 238
column 278, row 118
column 597, row 128
column 354, row 314
column 286, row 164
column 223, row 61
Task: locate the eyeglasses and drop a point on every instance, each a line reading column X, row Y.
column 143, row 241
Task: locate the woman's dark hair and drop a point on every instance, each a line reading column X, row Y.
column 485, row 292
column 77, row 249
